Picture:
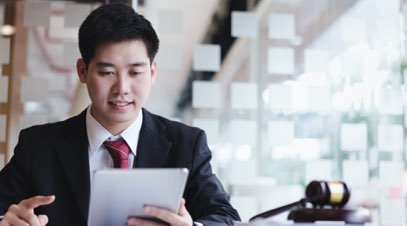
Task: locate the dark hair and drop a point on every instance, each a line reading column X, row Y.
column 115, row 22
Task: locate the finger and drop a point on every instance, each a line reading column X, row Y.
column 43, row 219
column 164, row 215
column 37, row 201
column 19, row 215
column 134, row 221
column 12, row 219
column 30, row 219
column 28, row 216
column 26, row 209
column 182, row 210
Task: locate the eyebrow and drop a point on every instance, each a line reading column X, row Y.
column 104, row 64
column 107, row 64
column 138, row 64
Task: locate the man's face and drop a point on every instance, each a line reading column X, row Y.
column 119, row 80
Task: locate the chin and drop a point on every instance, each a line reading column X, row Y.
column 125, row 118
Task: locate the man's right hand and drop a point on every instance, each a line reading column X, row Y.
column 23, row 212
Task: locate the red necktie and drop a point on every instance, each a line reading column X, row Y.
column 119, row 150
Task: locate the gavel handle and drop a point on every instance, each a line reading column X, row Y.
column 279, row 210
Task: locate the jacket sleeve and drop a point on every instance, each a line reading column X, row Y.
column 207, row 201
column 14, row 177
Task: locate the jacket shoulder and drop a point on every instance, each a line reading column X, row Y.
column 172, row 127
column 53, row 127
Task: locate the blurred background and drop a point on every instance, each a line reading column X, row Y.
column 288, row 91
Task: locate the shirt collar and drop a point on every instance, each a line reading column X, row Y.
column 97, row 134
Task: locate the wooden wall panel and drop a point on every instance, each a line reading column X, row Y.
column 15, row 70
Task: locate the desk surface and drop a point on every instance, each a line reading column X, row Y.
column 291, row 223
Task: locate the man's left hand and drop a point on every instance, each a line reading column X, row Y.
column 182, row 218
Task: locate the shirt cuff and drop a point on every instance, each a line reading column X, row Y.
column 197, row 224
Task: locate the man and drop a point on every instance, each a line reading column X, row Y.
column 48, row 179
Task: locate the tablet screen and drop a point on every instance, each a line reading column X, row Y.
column 120, row 193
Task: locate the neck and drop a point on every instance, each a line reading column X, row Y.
column 116, row 128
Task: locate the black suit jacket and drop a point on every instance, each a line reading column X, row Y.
column 52, row 159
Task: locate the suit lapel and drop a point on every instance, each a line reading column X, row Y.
column 153, row 146
column 72, row 151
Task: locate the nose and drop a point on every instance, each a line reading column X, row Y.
column 122, row 85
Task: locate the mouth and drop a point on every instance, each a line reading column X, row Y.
column 120, row 104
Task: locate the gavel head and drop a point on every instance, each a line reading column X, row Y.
column 333, row 193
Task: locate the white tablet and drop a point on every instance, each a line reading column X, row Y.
column 117, row 193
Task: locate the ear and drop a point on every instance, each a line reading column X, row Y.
column 81, row 70
column 153, row 70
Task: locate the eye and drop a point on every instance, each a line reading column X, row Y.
column 136, row 73
column 106, row 73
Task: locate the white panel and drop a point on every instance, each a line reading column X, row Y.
column 353, row 65
column 58, row 31
column 244, row 24
column 319, row 98
column 37, row 13
column 58, row 58
column 299, row 91
column 391, row 102
column 170, row 21
column 247, row 206
column 211, row 127
column 279, row 195
column 387, row 8
column 2, row 161
column 390, row 138
column 354, row 137
column 206, row 94
column 243, row 132
column 169, row 57
column 206, row 58
column 280, row 133
column 57, row 82
column 355, row 178
column 392, row 211
column 31, row 120
column 71, row 53
column 353, row 29
column 281, row 26
column 316, row 60
column 3, row 89
column 242, row 172
column 5, row 51
column 318, row 170
column 75, row 14
column 388, row 30
column 3, row 124
column 244, row 96
column 280, row 97
column 34, row 89
column 280, row 60
column 391, row 174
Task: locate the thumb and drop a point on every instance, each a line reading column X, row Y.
column 182, row 210
column 43, row 219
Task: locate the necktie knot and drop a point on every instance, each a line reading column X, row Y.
column 119, row 150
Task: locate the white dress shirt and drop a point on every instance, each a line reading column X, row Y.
column 99, row 157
